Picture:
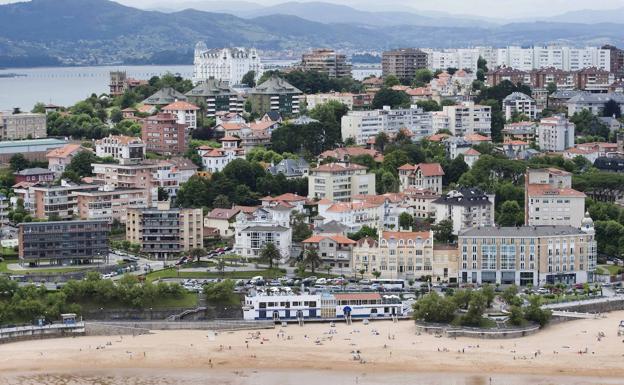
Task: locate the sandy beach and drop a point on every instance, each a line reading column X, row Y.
column 567, row 349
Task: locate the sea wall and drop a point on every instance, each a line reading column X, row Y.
column 24, row 333
column 603, row 306
column 493, row 333
column 145, row 327
column 206, row 314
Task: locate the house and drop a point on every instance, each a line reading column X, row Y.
column 219, row 98
column 334, row 249
column 423, row 175
column 520, row 131
column 471, row 156
column 555, row 134
column 122, row 148
column 215, row 159
column 164, row 96
column 291, row 168
column 515, row 149
column 185, row 113
column 163, row 134
column 60, row 158
column 222, row 220
column 253, row 232
column 344, row 154
column 466, row 207
column 275, row 94
column 354, row 215
column 36, row 174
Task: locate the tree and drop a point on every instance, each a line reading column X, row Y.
column 81, row 164
column 389, row 97
column 221, row 202
column 423, row 76
column 428, row 105
column 476, row 307
column 362, row 272
column 18, row 162
column 163, row 195
column 443, row 231
column 510, row 214
column 455, row 169
column 364, row 232
column 534, row 312
column 116, row 115
column 551, row 87
column 381, row 140
column 406, row 221
column 271, row 254
column 482, row 64
column 249, row 79
column 434, row 308
column 509, row 295
column 612, row 109
column 300, row 229
column 312, row 259
column 391, row 81
column 488, row 292
column 462, row 298
column 197, row 252
column 221, row 293
column 220, row 266
column 516, row 317
column 376, row 274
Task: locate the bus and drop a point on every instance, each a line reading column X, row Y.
column 390, row 284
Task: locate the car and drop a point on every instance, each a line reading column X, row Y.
column 275, row 282
column 321, row 281
column 365, row 281
column 543, row 290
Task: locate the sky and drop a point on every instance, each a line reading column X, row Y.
column 509, row 9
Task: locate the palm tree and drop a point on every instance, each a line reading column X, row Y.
column 362, row 271
column 270, row 253
column 376, row 274
column 221, row 266
column 328, row 268
column 197, row 253
column 312, row 259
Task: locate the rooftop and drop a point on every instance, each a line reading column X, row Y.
column 522, row 231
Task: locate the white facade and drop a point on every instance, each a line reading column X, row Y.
column 227, row 64
column 555, row 134
column 361, row 125
column 185, row 113
column 460, row 58
column 519, row 103
column 125, row 149
column 354, row 215
column 253, row 232
column 340, row 182
column 215, row 159
column 464, row 119
column 563, row 58
column 466, row 208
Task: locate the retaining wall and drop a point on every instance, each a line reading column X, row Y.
column 144, row 327
column 24, row 333
column 450, row 331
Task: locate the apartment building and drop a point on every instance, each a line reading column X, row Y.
column 403, row 62
column 529, row 255
column 421, row 176
column 253, row 232
column 109, row 204
column 351, row 100
column 34, row 175
column 551, row 200
column 562, row 58
column 335, row 251
column 520, row 104
column 161, row 98
column 164, row 232
column 340, row 182
column 396, row 255
column 57, row 202
column 464, row 118
column 63, row 243
column 218, row 97
column 459, row 58
column 59, row 158
column 594, row 103
column 326, row 61
column 555, row 134
column 275, row 94
column 524, row 131
column 134, row 176
column 215, row 159
column 162, row 134
column 362, row 125
column 591, row 78
column 466, row 207
column 225, row 64
column 185, row 113
column 124, row 149
column 22, row 125
column 354, row 215
column 170, row 174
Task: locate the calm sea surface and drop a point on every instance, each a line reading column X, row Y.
column 292, row 377
column 67, row 85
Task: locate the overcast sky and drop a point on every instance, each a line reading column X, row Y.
column 488, row 8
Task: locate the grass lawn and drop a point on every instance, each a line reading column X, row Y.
column 607, row 269
column 173, row 273
column 4, row 268
column 188, row 300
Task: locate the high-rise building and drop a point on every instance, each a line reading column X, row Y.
column 162, row 134
column 555, row 134
column 340, row 182
column 275, row 94
column 403, row 63
column 218, row 96
column 326, row 61
column 563, row 58
column 22, row 125
column 226, row 64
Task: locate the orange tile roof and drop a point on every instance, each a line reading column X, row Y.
column 180, row 106
column 437, row 137
column 324, row 201
column 338, row 238
column 430, row 169
column 516, row 142
column 288, row 197
column 344, row 207
column 547, row 190
column 407, row 167
column 340, row 153
column 477, row 138
column 222, row 213
column 357, row 296
column 405, row 235
column 229, row 138
column 63, row 152
column 232, row 126
column 331, row 167
column 263, row 125
column 380, row 199
column 246, row 209
column 472, row 151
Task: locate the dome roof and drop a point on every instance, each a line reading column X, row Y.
column 587, row 221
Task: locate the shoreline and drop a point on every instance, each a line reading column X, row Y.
column 385, row 347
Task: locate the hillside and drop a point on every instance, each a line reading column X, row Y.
column 102, row 32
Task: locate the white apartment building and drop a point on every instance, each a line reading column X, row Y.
column 171, row 174
column 125, row 149
column 215, row 159
column 551, row 200
column 464, row 119
column 563, row 58
column 348, row 99
column 555, row 134
column 362, row 125
column 354, row 215
column 460, row 58
column 339, row 182
column 421, row 176
column 519, row 103
column 466, row 207
column 594, row 103
column 185, row 113
column 253, row 232
column 226, row 64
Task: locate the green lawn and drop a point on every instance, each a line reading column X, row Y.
column 173, row 273
column 188, row 300
column 607, row 269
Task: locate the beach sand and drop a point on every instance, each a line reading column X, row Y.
column 384, row 347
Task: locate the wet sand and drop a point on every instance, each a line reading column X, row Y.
column 572, row 350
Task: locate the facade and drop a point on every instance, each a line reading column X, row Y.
column 352, row 101
column 362, row 125
column 530, row 255
column 164, row 232
column 222, row 220
column 215, row 159
column 562, row 58
column 594, row 103
column 60, row 158
column 354, row 215
column 466, row 207
column 57, row 202
column 218, row 97
column 109, row 204
column 519, row 103
column 459, row 58
column 133, row 176
column 275, row 94
column 291, row 168
column 326, row 61
column 590, row 78
column 396, row 255
column 63, row 243
column 34, row 175
column 403, row 63
column 464, row 119
column 120, row 83
column 162, row 134
column 334, row 249
column 340, row 182
column 170, row 174
column 555, row 134
column 185, row 113
column 253, row 232
column 163, row 97
column 551, row 200
column 520, row 131
column 421, row 176
column 225, row 64
column 22, row 125
column 125, row 149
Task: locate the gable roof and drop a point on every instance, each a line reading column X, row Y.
column 65, row 151
column 164, row 96
column 338, row 238
column 180, row 105
column 275, row 85
column 226, row 214
column 430, row 169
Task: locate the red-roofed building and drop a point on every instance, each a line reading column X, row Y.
column 162, row 134
column 471, row 157
column 223, row 220
column 185, row 112
column 215, row 159
column 423, row 176
column 334, row 249
column 60, row 158
column 344, row 154
column 340, row 182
